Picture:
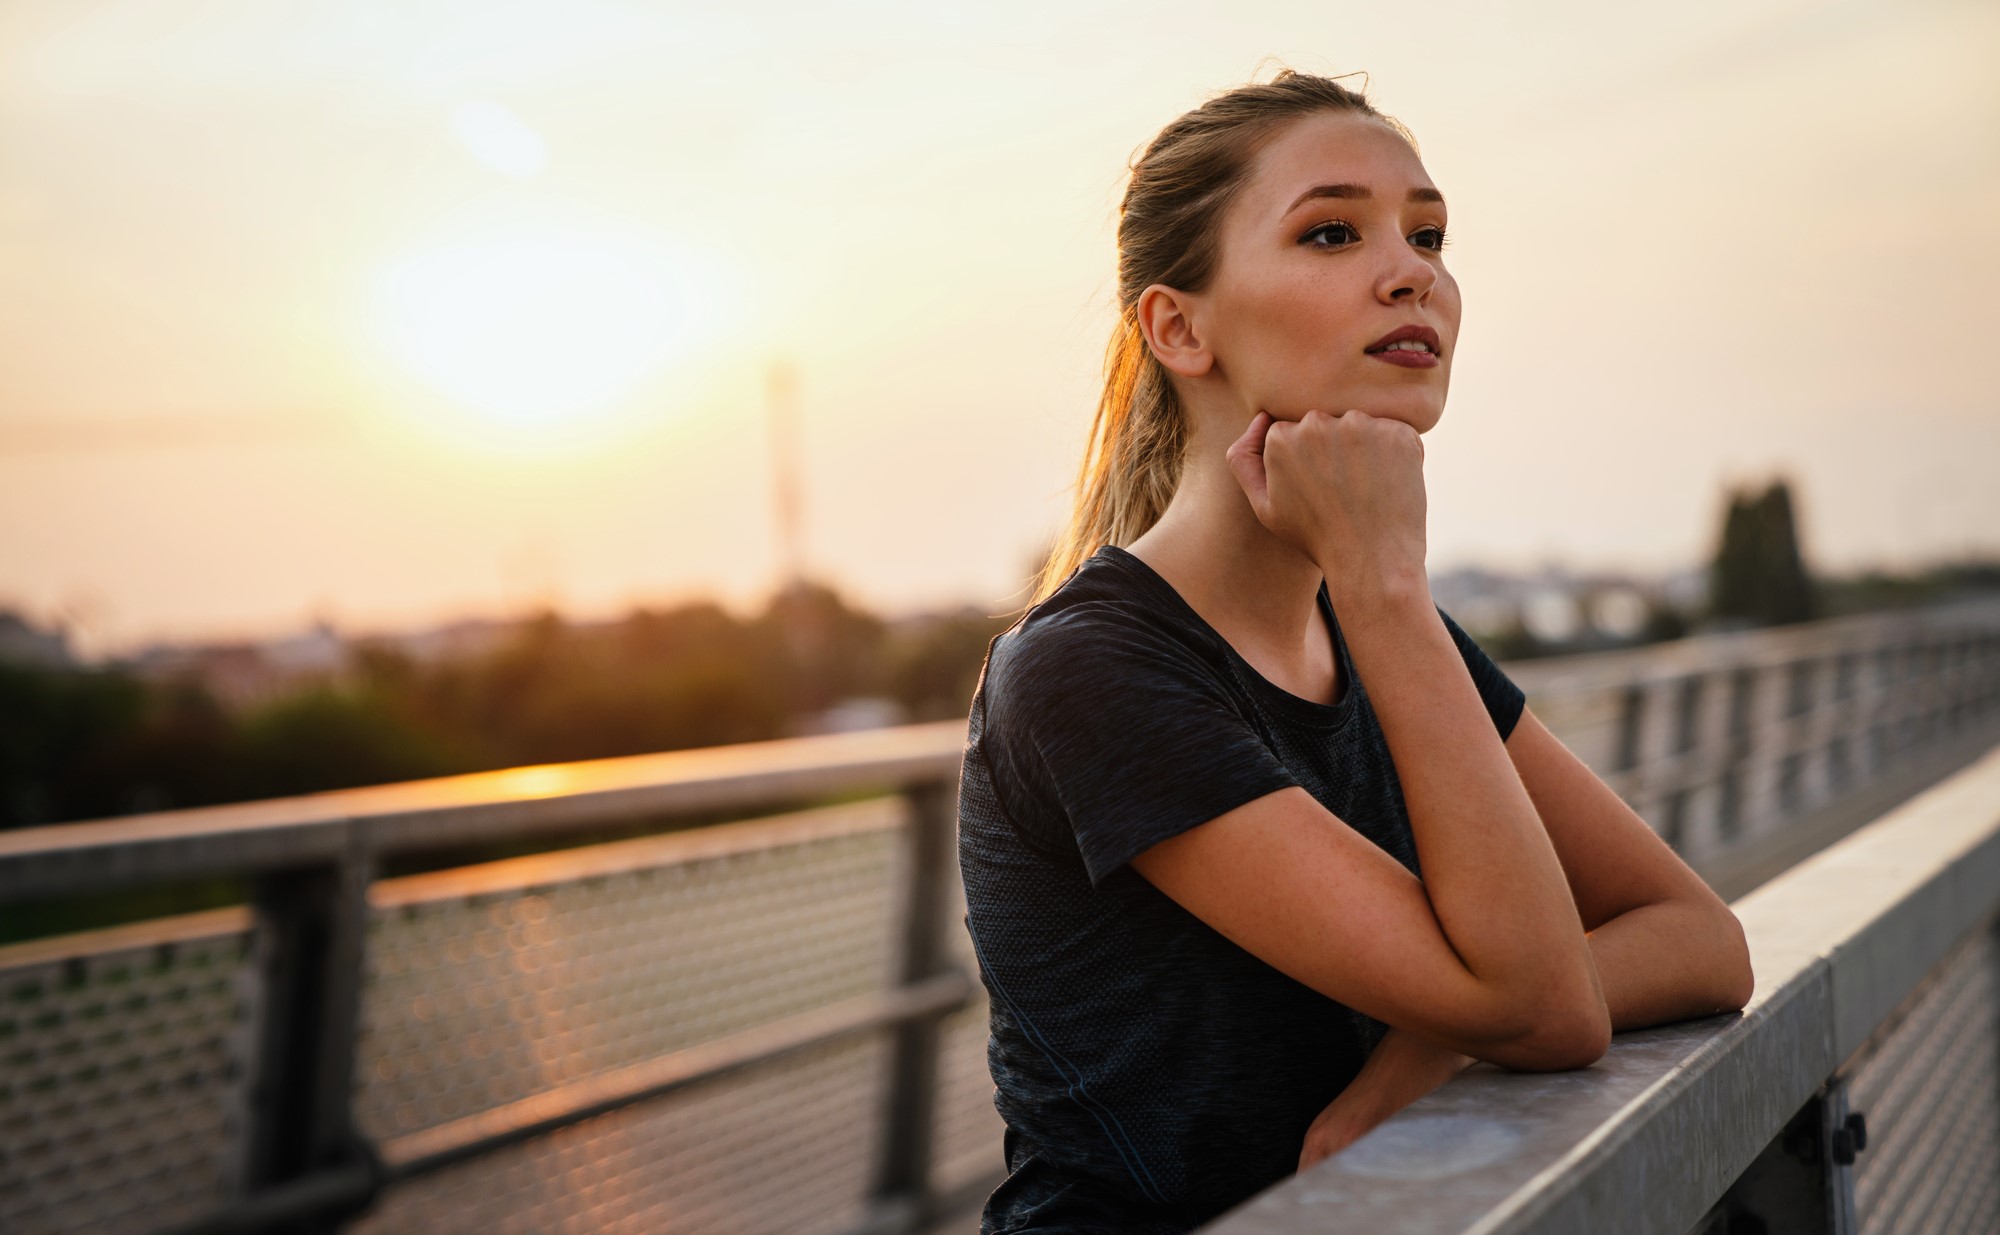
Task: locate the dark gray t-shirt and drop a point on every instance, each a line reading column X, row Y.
column 1151, row 1073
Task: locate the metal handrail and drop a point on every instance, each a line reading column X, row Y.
column 1761, row 648
column 540, row 801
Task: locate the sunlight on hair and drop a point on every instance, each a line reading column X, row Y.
column 536, row 323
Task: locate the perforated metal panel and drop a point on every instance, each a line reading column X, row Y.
column 968, row 1126
column 124, row 1063
column 1929, row 1088
column 783, row 1149
column 483, row 989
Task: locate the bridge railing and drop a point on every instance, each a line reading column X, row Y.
column 604, row 1035
column 1748, row 750
column 768, row 1024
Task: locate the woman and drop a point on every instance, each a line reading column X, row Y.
column 1258, row 845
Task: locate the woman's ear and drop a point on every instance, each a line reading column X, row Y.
column 1166, row 320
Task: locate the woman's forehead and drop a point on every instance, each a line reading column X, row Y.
column 1333, row 149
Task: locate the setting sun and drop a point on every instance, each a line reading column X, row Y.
column 542, row 323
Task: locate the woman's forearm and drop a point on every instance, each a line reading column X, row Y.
column 1656, row 963
column 1489, row 869
column 1661, row 962
column 1505, row 968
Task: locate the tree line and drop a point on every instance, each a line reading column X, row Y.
column 82, row 743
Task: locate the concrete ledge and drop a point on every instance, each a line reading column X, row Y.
column 1649, row 1137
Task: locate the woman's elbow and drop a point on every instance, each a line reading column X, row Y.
column 1556, row 1038
column 1574, row 1040
column 1736, row 981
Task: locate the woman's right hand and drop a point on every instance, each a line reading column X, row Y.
column 1401, row 1069
column 1347, row 490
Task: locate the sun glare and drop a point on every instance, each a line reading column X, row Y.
column 542, row 324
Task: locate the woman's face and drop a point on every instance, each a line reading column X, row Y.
column 1332, row 244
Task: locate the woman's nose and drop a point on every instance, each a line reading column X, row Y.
column 1408, row 277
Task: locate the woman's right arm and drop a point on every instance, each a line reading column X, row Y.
column 1486, row 954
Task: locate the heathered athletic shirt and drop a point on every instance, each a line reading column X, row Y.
column 1151, row 1073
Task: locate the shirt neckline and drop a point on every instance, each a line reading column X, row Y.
column 1296, row 707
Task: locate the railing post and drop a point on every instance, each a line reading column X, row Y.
column 902, row 1188
column 1803, row 1182
column 311, row 934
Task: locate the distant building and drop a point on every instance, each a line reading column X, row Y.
column 237, row 674
column 23, row 644
column 247, row 675
column 853, row 714
column 1561, row 609
column 468, row 637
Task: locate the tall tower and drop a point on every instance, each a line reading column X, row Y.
column 782, row 396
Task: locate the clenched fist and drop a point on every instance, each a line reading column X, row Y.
column 1347, row 490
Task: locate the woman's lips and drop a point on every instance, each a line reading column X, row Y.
column 1407, row 359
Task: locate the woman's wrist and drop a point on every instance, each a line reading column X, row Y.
column 1401, row 1069
column 1391, row 592
column 1398, row 1071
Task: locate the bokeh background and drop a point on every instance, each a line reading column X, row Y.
column 396, row 388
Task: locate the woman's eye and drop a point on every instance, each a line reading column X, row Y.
column 1336, row 234
column 1430, row 237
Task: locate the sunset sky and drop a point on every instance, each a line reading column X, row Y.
column 389, row 311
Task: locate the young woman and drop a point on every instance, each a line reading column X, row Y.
column 1258, row 845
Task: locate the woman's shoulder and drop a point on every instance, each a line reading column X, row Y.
column 1103, row 620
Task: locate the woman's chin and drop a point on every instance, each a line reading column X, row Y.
column 1422, row 417
column 1421, row 412
column 1418, row 406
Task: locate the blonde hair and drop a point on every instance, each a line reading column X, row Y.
column 1169, row 232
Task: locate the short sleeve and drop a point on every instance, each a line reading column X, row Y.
column 1132, row 732
column 1503, row 699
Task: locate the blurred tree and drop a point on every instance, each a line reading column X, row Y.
column 78, row 743
column 933, row 665
column 89, row 743
column 51, row 720
column 1663, row 622
column 1758, row 576
column 333, row 738
column 827, row 650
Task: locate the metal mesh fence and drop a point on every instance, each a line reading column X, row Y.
column 968, row 1126
column 782, row 1149
column 486, row 986
column 127, row 1052
column 1929, row 1087
column 124, row 1064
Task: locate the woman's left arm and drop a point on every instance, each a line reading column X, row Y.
column 1667, row 948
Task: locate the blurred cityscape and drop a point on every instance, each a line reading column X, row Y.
column 182, row 725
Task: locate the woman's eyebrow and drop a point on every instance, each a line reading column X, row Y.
column 1357, row 191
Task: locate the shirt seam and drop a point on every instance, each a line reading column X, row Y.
column 1078, row 1092
column 1033, row 843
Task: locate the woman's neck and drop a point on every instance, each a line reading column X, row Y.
column 1257, row 591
